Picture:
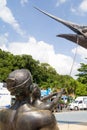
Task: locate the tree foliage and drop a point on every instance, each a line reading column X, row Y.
column 82, row 76
column 43, row 74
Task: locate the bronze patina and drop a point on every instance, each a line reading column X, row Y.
column 22, row 116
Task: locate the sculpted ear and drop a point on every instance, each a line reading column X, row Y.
column 31, row 88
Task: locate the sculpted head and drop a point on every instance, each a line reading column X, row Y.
column 36, row 92
column 19, row 81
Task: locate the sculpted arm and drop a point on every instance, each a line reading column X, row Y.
column 48, row 96
column 54, row 102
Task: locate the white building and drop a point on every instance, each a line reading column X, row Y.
column 5, row 97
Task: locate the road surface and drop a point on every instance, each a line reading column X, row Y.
column 72, row 117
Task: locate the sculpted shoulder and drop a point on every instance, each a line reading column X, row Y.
column 7, row 119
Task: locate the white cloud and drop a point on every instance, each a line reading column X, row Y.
column 81, row 9
column 44, row 53
column 3, row 39
column 7, row 16
column 60, row 2
column 23, row 2
column 82, row 52
column 83, row 6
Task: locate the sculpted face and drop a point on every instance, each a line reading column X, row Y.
column 11, row 83
column 36, row 93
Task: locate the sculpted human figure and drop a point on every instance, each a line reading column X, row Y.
column 22, row 116
column 38, row 102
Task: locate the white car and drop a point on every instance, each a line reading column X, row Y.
column 78, row 104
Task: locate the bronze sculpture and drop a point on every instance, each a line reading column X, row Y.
column 40, row 103
column 22, row 116
column 80, row 30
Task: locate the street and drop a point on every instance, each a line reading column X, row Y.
column 72, row 117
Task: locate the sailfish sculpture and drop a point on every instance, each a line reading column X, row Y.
column 80, row 31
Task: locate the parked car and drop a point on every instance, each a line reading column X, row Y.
column 80, row 103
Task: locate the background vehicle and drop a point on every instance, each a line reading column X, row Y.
column 80, row 103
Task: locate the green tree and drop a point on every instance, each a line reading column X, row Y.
column 81, row 89
column 43, row 74
column 82, row 76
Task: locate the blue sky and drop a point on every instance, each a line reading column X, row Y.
column 25, row 30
